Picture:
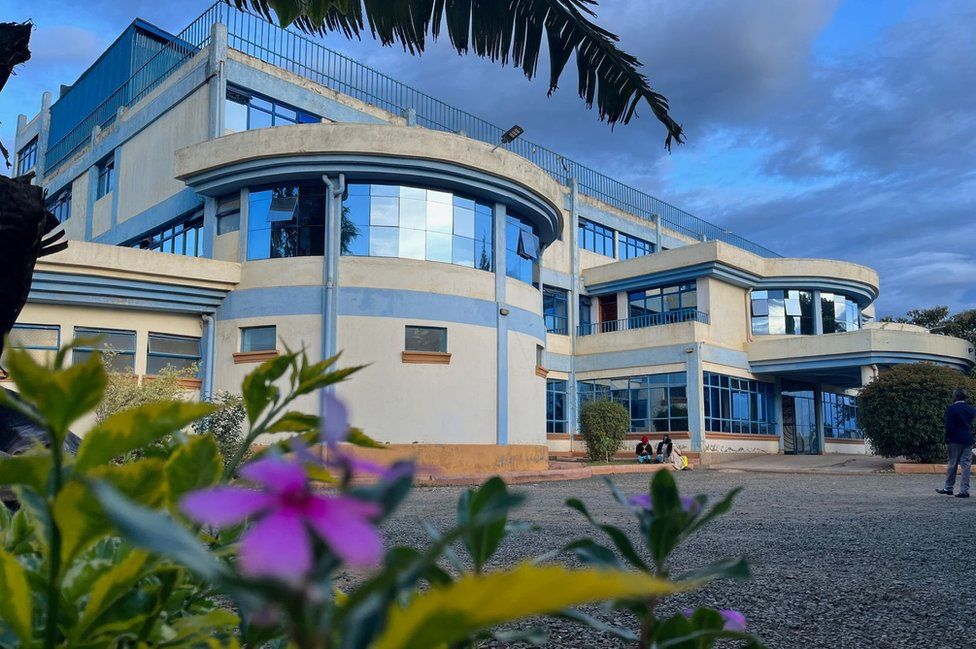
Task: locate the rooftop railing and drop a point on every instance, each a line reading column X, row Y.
column 643, row 321
column 251, row 34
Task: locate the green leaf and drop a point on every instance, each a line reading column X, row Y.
column 482, row 514
column 727, row 569
column 616, row 535
column 15, row 597
column 592, row 553
column 323, row 380
column 258, row 388
column 109, row 587
column 294, row 422
column 664, row 493
column 135, row 428
column 156, row 532
column 452, row 613
column 30, row 470
column 63, row 396
column 358, row 438
column 194, row 465
column 199, row 627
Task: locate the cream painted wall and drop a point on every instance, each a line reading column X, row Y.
column 405, row 403
column 522, row 295
column 559, row 255
column 146, row 173
column 661, row 336
column 74, row 227
column 526, row 392
column 294, row 271
column 102, row 214
column 631, row 371
column 728, row 312
column 226, row 246
column 416, row 275
column 740, row 445
column 845, row 449
column 588, row 259
column 559, row 344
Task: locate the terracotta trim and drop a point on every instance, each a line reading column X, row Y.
column 742, row 436
column 255, row 357
column 838, row 440
column 541, row 371
column 564, row 436
column 426, row 358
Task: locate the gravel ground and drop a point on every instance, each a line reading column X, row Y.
column 839, row 561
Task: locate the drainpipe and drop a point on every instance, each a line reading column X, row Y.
column 571, row 396
column 210, row 335
column 330, row 265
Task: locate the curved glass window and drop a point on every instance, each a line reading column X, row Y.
column 417, row 223
column 782, row 312
column 286, row 220
column 521, row 249
column 840, row 313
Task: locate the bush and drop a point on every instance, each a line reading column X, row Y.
column 902, row 412
column 226, row 424
column 603, row 424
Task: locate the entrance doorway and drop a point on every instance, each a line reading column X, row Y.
column 800, row 419
column 608, row 312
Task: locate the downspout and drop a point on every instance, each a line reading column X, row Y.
column 574, row 310
column 210, row 335
column 330, row 266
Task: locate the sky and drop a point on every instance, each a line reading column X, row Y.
column 842, row 129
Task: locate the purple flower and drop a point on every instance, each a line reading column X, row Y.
column 643, row 501
column 734, row 620
column 278, row 544
column 335, row 429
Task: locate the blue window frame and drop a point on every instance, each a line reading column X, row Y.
column 184, row 237
column 521, row 249
column 629, row 247
column 166, row 350
column 585, row 314
column 555, row 306
column 60, row 205
column 39, row 340
column 646, row 306
column 106, row 176
column 120, row 345
column 655, row 402
column 27, row 157
column 259, row 339
column 734, row 405
column 595, row 238
column 556, row 414
column 410, row 222
column 245, row 111
column 840, row 416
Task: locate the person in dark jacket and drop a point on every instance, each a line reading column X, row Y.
column 644, row 450
column 664, row 449
column 959, row 442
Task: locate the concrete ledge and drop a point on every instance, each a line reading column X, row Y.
column 912, row 467
column 553, row 475
column 448, row 460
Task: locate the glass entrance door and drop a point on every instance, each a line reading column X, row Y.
column 799, row 420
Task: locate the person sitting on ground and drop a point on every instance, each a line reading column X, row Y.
column 959, row 443
column 644, row 450
column 677, row 459
column 664, row 449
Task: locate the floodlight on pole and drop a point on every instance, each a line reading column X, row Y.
column 510, row 135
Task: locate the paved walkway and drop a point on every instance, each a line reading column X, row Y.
column 817, row 464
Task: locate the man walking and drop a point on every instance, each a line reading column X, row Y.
column 959, row 441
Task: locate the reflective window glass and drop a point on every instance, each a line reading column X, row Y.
column 259, row 339
column 425, row 339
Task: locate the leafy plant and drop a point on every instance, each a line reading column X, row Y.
column 226, row 424
column 171, row 552
column 603, row 426
column 902, row 411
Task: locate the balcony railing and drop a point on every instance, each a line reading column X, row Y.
column 642, row 321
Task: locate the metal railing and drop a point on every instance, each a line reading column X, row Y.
column 297, row 53
column 643, row 321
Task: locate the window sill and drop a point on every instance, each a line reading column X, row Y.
column 541, row 371
column 842, row 440
column 255, row 357
column 188, row 383
column 426, row 358
column 742, row 436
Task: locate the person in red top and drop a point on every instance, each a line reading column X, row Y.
column 644, row 450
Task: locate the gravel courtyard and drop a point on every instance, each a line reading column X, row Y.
column 838, row 561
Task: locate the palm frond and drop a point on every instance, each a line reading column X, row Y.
column 506, row 31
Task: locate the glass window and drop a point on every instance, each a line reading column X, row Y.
column 555, row 306
column 60, row 205
column 382, row 220
column 787, row 312
column 662, row 305
column 286, row 220
column 245, row 110
column 540, row 356
column 840, row 416
column 595, row 238
column 629, row 247
column 556, row 415
column 840, row 313
column 178, row 352
column 119, row 347
column 259, row 339
column 425, row 339
column 521, row 242
column 585, row 315
column 184, row 237
column 27, row 157
column 106, row 176
column 655, row 402
column 734, row 405
column 40, row 341
column 229, row 214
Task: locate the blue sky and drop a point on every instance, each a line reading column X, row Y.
column 820, row 128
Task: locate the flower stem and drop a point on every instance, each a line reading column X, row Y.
column 54, row 548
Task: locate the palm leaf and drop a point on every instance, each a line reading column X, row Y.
column 509, row 31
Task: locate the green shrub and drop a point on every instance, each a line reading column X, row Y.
column 226, row 424
column 603, row 424
column 902, row 412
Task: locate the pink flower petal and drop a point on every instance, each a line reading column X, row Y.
column 277, row 546
column 344, row 523
column 276, row 474
column 734, row 620
column 335, row 419
column 222, row 506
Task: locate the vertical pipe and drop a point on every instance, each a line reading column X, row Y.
column 571, row 396
column 210, row 340
column 501, row 338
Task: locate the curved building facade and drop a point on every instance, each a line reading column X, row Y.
column 234, row 207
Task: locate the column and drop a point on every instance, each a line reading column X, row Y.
column 501, row 337
column 572, row 399
column 209, row 233
column 818, row 416
column 778, row 412
column 216, row 68
column 42, row 137
column 817, row 314
column 696, row 403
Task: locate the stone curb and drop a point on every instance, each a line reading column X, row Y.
column 524, row 477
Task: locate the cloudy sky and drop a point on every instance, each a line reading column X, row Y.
column 819, row 128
